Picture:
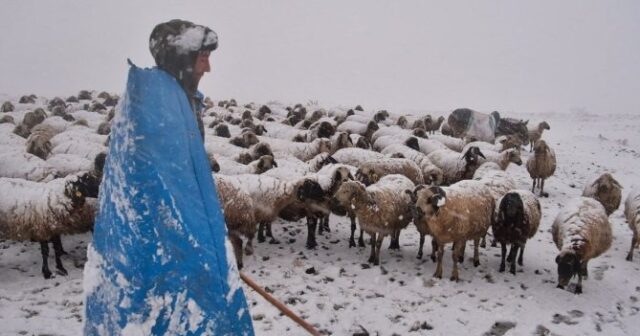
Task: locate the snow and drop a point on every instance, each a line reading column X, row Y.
column 192, row 39
column 342, row 295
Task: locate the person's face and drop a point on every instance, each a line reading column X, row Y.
column 202, row 65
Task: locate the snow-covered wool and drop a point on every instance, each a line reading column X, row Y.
column 455, row 144
column 19, row 164
column 456, row 166
column 498, row 181
column 430, row 172
column 67, row 164
column 377, row 117
column 382, row 209
column 93, row 119
column 270, row 195
column 239, row 217
column 428, row 146
column 391, row 130
column 371, row 171
column 7, row 137
column 360, row 141
column 387, row 140
column 289, row 167
column 535, row 132
column 229, row 166
column 541, row 165
column 455, row 214
column 581, row 232
column 502, row 159
column 86, row 149
column 278, row 130
column 340, row 140
column 303, row 151
column 502, row 143
column 632, row 213
column 355, row 156
column 517, row 220
column 366, row 130
column 606, row 190
column 43, row 211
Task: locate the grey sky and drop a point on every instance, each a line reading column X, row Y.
column 489, row 55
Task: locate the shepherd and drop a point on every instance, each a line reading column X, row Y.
column 160, row 262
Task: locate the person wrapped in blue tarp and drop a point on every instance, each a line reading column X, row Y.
column 160, row 262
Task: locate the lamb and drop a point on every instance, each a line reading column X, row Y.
column 502, row 159
column 541, row 165
column 382, row 209
column 517, row 221
column 581, row 232
column 366, row 130
column 432, row 174
column 239, row 216
column 632, row 213
column 463, row 211
column 259, row 166
column 43, row 211
column 535, row 133
column 455, row 166
column 606, row 190
column 371, row 171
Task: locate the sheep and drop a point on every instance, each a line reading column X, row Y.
column 88, row 149
column 84, row 95
column 463, row 211
column 435, row 125
column 371, row 171
column 517, row 220
column 239, row 216
column 581, row 232
column 228, row 166
column 7, row 107
column 253, row 153
column 269, row 195
column 606, row 190
column 355, row 156
column 378, row 117
column 222, row 130
column 502, row 143
column 428, row 146
column 535, row 132
column 386, row 140
column 7, row 119
column 432, row 174
column 245, row 140
column 392, row 130
column 455, row 166
column 19, row 164
column 321, row 129
column 632, row 213
column 366, row 130
column 43, row 211
column 502, row 159
column 455, row 144
column 541, row 165
column 340, row 140
column 382, row 209
column 303, row 151
column 360, row 141
column 38, row 143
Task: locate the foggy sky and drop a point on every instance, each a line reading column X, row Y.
column 541, row 56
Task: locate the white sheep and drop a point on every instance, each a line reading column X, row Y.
column 581, row 232
column 456, row 166
column 43, row 211
column 382, row 209
column 430, row 172
column 517, row 220
column 632, row 213
column 541, row 165
column 606, row 190
column 455, row 214
column 502, row 159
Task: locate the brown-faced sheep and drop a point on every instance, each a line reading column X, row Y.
column 606, row 190
column 535, row 133
column 581, row 232
column 541, row 165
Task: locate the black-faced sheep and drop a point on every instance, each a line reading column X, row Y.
column 517, row 221
column 581, row 231
column 541, row 165
column 606, row 190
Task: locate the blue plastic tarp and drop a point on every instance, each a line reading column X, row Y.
column 160, row 263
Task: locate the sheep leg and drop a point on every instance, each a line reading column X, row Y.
column 513, row 253
column 521, row 253
column 434, row 248
column 352, row 241
column 542, row 188
column 503, row 248
column 270, row 234
column 634, row 241
column 236, row 242
column 461, row 254
column 483, row 242
column 533, row 187
column 248, row 248
column 361, row 239
column 378, row 248
column 476, row 252
column 583, row 270
column 395, row 240
column 311, row 232
column 261, row 238
column 457, row 250
column 438, row 273
column 420, row 246
column 57, row 240
column 44, row 249
column 57, row 252
column 325, row 223
column 579, row 285
column 372, row 257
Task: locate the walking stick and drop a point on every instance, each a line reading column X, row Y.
column 279, row 305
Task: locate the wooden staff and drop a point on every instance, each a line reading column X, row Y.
column 279, row 305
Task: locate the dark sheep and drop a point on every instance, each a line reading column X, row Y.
column 7, row 107
column 57, row 101
column 6, row 119
column 84, row 95
column 27, row 100
column 222, row 130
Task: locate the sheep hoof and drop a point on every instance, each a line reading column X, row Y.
column 46, row 274
column 476, row 263
column 419, row 256
column 501, row 269
column 261, row 239
column 371, row 259
column 483, row 244
column 512, row 270
column 433, row 258
column 62, row 271
column 352, row 243
column 274, row 241
column 630, row 257
column 454, row 278
column 578, row 289
column 240, row 265
column 560, row 286
column 361, row 243
column 544, row 194
column 248, row 250
column 311, row 246
column 437, row 275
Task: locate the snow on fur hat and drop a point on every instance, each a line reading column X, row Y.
column 175, row 45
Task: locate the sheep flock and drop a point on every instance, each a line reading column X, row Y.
column 325, row 187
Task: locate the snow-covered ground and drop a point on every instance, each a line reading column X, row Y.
column 335, row 289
